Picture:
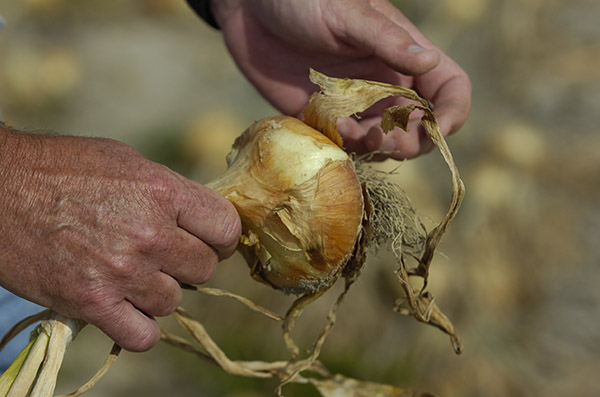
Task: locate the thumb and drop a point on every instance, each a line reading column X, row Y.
column 211, row 218
column 367, row 29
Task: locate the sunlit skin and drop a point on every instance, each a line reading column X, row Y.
column 276, row 42
column 95, row 231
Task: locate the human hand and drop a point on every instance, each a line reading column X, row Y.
column 94, row 231
column 275, row 42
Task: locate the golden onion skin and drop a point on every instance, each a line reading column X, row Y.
column 300, row 202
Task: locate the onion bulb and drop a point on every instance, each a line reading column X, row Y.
column 307, row 218
column 300, row 202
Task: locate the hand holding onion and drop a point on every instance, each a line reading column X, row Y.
column 96, row 232
column 274, row 43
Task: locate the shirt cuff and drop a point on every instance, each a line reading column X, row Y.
column 202, row 8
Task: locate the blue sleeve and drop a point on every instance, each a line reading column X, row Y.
column 12, row 310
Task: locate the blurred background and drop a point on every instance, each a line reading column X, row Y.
column 518, row 271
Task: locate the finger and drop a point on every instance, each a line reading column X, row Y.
column 127, row 326
column 451, row 98
column 353, row 134
column 212, row 218
column 447, row 85
column 366, row 136
column 376, row 33
column 397, row 143
column 185, row 257
column 158, row 294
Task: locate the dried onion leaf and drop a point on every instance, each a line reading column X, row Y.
column 108, row 363
column 343, row 98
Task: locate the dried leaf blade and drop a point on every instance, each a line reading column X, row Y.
column 345, row 97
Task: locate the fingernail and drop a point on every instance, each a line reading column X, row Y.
column 415, row 49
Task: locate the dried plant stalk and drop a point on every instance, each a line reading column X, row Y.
column 21, row 325
column 61, row 331
column 245, row 301
column 296, row 367
column 108, row 363
column 35, row 371
column 308, row 370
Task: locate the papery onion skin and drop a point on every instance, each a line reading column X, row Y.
column 300, row 202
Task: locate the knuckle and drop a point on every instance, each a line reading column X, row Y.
column 151, row 237
column 120, row 267
column 167, row 302
column 95, row 302
column 99, row 308
column 162, row 186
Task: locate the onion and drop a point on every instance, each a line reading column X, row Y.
column 305, row 213
column 300, row 202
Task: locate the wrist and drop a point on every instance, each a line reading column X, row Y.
column 9, row 173
column 3, row 137
column 8, row 146
column 20, row 159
